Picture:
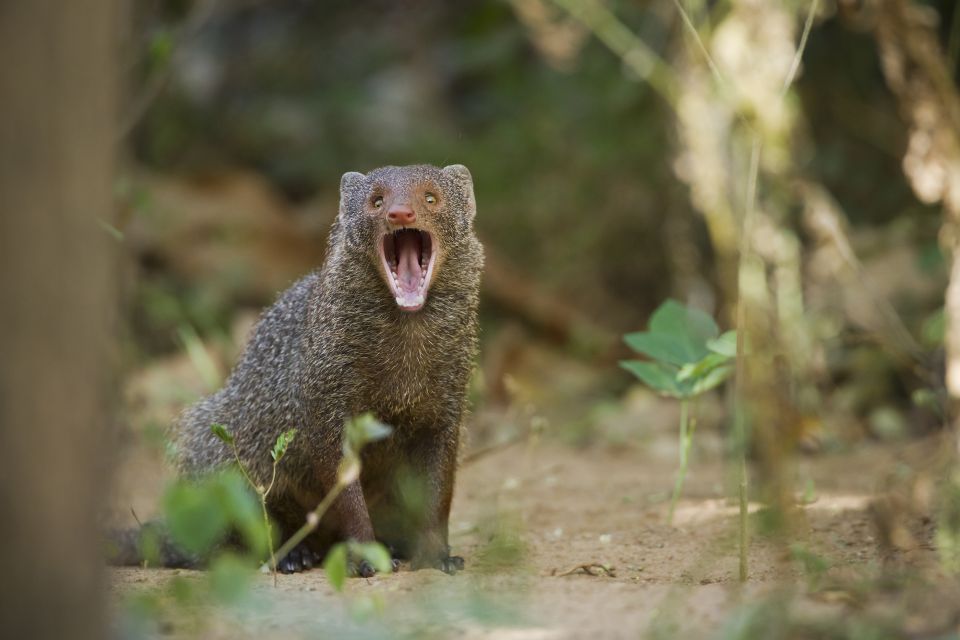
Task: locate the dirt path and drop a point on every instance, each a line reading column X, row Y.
column 522, row 516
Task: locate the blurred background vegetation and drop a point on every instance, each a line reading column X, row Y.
column 599, row 194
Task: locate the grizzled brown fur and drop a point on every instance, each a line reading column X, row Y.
column 335, row 345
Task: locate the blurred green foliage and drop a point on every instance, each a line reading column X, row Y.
column 202, row 513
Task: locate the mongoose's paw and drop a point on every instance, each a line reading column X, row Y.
column 451, row 564
column 301, row 558
column 446, row 563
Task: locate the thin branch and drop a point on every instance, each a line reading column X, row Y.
column 236, row 455
column 703, row 49
column 266, row 520
column 722, row 83
column 751, row 203
column 795, row 65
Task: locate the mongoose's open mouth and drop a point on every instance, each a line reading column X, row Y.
column 408, row 259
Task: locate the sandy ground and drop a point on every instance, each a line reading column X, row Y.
column 524, row 518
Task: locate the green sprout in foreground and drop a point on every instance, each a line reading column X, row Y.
column 688, row 357
column 359, row 432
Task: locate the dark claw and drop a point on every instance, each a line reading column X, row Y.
column 396, row 556
column 364, row 569
column 299, row 559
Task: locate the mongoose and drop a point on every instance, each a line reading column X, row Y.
column 388, row 324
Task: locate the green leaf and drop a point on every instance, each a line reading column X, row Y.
column 335, row 566
column 677, row 334
column 700, row 369
column 654, row 375
column 725, row 345
column 221, row 432
column 374, row 553
column 665, row 347
column 282, row 443
column 671, row 317
column 200, row 513
column 713, row 379
column 363, row 430
column 242, row 509
column 195, row 516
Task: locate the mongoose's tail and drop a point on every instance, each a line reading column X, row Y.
column 149, row 545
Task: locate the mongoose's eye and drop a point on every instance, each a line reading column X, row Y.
column 430, row 198
column 378, row 202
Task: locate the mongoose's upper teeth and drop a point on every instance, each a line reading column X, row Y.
column 407, row 255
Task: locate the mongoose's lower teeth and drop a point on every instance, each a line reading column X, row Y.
column 407, row 257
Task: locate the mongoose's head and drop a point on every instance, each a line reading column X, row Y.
column 408, row 221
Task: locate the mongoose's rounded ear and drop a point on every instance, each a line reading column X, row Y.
column 460, row 171
column 462, row 175
column 350, row 185
column 349, row 180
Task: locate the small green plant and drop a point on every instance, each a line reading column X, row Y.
column 200, row 515
column 359, row 432
column 688, row 357
column 277, row 453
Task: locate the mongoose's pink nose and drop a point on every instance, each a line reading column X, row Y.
column 401, row 214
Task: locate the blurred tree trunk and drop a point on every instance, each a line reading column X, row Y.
column 917, row 72
column 57, row 140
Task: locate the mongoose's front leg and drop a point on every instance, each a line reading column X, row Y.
column 353, row 520
column 431, row 547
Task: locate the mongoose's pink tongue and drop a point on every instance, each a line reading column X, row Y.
column 408, row 261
